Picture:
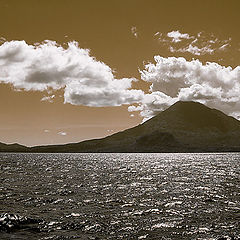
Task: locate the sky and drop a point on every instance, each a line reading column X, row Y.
column 77, row 70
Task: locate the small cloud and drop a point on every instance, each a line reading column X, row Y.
column 157, row 33
column 133, row 108
column 195, row 50
column 46, row 130
column 61, row 133
column 177, row 36
column 110, row 131
column 2, row 39
column 224, row 47
column 48, row 98
column 134, row 32
column 200, row 44
column 213, row 41
column 132, row 115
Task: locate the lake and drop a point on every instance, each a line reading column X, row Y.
column 120, row 196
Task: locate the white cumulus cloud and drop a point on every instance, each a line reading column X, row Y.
column 173, row 79
column 48, row 66
column 114, row 93
column 86, row 81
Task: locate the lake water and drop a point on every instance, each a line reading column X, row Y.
column 120, row 196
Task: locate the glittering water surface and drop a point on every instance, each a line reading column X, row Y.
column 122, row 196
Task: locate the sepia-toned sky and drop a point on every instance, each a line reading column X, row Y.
column 52, row 90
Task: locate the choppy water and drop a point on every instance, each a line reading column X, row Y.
column 121, row 196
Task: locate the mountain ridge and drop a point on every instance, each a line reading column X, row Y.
column 183, row 127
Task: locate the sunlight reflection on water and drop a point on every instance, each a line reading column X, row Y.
column 123, row 196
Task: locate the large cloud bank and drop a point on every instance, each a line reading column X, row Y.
column 86, row 81
column 49, row 66
column 173, row 79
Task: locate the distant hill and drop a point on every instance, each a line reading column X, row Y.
column 183, row 127
column 12, row 148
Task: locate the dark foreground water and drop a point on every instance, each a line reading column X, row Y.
column 120, row 196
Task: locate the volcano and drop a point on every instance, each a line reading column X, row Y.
column 183, row 127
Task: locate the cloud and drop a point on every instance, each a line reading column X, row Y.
column 2, row 39
column 134, row 32
column 193, row 50
column 49, row 66
column 46, row 130
column 153, row 104
column 224, row 46
column 85, row 81
column 176, row 36
column 199, row 44
column 48, row 98
column 200, row 47
column 61, row 133
column 173, row 79
column 115, row 93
